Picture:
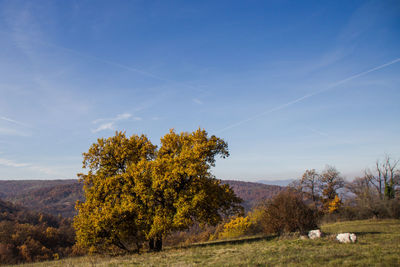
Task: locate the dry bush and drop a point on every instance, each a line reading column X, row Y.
column 287, row 213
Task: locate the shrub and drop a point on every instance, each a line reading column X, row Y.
column 238, row 226
column 361, row 209
column 287, row 213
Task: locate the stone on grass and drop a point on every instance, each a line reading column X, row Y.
column 346, row 238
column 314, row 234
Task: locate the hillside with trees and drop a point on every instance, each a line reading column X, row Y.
column 27, row 236
column 58, row 197
column 253, row 193
column 12, row 189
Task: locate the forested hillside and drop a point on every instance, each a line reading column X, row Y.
column 253, row 193
column 27, row 236
column 58, row 197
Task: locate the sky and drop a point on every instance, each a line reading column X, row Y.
column 289, row 85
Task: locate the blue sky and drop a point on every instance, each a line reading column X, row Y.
column 290, row 85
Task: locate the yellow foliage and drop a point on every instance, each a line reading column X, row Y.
column 236, row 227
column 334, row 205
column 134, row 192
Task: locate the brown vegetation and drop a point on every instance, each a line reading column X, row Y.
column 287, row 213
column 27, row 236
column 374, row 195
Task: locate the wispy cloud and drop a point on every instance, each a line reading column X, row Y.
column 29, row 166
column 11, row 163
column 104, row 126
column 109, row 123
column 128, row 68
column 24, row 42
column 332, row 138
column 45, row 170
column 321, row 133
column 119, row 117
column 123, row 116
column 329, row 87
column 14, row 132
column 197, row 101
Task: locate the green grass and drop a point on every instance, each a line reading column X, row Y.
column 378, row 245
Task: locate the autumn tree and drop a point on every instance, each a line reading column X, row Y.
column 112, row 213
column 330, row 182
column 183, row 189
column 135, row 192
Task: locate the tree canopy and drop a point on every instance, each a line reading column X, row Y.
column 136, row 192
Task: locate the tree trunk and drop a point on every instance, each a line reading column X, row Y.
column 158, row 244
column 151, row 244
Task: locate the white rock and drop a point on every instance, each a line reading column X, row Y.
column 353, row 238
column 346, row 238
column 314, row 234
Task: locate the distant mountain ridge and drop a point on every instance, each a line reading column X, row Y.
column 58, row 197
column 12, row 188
column 285, row 182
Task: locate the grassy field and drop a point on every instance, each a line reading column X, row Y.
column 378, row 245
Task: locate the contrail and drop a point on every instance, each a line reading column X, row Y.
column 308, row 96
column 116, row 64
column 13, row 121
column 113, row 63
column 128, row 68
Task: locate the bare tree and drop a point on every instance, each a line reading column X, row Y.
column 385, row 177
column 365, row 198
column 309, row 184
column 360, row 187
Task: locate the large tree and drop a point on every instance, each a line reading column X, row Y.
column 111, row 213
column 135, row 192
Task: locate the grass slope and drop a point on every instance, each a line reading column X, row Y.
column 378, row 245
